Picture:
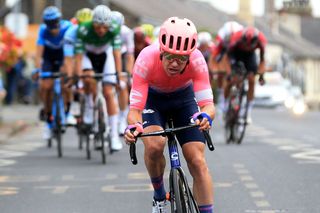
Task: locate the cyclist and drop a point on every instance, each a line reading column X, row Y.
column 49, row 57
column 83, row 15
column 140, row 40
column 219, row 60
column 205, row 44
column 173, row 79
column 242, row 47
column 148, row 31
column 127, row 56
column 98, row 50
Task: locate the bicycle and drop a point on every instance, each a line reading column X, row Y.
column 181, row 197
column 58, row 113
column 99, row 115
column 237, row 111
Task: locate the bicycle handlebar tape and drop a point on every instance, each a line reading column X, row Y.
column 208, row 139
column 133, row 155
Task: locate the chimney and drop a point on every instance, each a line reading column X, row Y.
column 244, row 13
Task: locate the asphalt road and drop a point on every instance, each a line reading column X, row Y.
column 276, row 169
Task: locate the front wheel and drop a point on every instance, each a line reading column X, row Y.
column 181, row 198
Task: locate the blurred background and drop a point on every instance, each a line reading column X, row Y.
column 276, row 169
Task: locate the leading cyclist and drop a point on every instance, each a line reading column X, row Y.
column 173, row 80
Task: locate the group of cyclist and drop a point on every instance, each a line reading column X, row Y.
column 233, row 43
column 170, row 76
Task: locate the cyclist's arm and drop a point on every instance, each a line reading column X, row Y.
column 261, row 46
column 39, row 53
column 201, row 85
column 130, row 52
column 117, row 60
column 134, row 116
column 78, row 64
column 40, row 47
column 117, row 53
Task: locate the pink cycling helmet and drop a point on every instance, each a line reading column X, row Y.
column 178, row 36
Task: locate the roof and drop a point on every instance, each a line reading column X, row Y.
column 310, row 29
column 297, row 46
column 157, row 11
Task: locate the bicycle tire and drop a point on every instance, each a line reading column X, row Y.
column 241, row 126
column 88, row 146
column 81, row 128
column 181, row 200
column 49, row 143
column 101, row 130
column 58, row 127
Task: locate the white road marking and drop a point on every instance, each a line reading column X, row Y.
column 262, row 203
column 60, row 189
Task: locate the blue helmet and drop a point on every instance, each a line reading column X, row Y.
column 51, row 13
column 51, row 17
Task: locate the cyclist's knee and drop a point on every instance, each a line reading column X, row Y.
column 154, row 148
column 197, row 165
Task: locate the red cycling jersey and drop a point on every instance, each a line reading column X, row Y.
column 148, row 72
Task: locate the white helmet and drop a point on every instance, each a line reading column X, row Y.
column 102, row 15
column 204, row 38
column 118, row 17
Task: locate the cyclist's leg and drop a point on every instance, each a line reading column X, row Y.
column 67, row 92
column 252, row 68
column 111, row 102
column 154, row 147
column 123, row 98
column 224, row 65
column 193, row 147
column 229, row 64
column 89, row 90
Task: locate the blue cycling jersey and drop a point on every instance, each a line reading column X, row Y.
column 70, row 38
column 49, row 41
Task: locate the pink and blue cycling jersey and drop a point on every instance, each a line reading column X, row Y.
column 148, row 72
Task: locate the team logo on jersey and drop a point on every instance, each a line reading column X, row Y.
column 148, row 111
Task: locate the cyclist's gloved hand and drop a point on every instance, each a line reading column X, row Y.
column 132, row 131
column 203, row 120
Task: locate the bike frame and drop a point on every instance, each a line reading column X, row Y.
column 57, row 92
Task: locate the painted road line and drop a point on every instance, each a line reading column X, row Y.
column 8, row 190
column 127, row 188
column 139, row 175
column 257, row 194
column 67, row 177
column 246, row 178
column 262, row 203
column 60, row 189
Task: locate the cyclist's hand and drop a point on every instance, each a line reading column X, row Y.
column 132, row 131
column 35, row 74
column 203, row 120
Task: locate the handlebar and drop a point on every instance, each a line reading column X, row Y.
column 165, row 133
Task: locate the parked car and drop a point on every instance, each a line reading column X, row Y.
column 274, row 92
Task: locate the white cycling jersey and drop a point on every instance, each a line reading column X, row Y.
column 228, row 29
column 127, row 41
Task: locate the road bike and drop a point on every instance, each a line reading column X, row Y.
column 98, row 131
column 237, row 111
column 58, row 112
column 181, row 198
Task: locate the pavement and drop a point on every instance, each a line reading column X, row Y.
column 16, row 119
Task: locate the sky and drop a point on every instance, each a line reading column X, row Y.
column 257, row 6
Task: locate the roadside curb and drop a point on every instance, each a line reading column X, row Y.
column 9, row 130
